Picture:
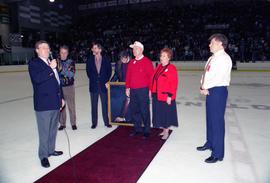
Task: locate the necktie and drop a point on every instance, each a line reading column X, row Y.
column 205, row 70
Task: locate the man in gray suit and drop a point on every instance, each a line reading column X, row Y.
column 48, row 100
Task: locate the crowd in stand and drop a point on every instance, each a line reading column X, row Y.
column 184, row 29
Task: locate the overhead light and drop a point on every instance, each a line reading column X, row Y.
column 51, row 1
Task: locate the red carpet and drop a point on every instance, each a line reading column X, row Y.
column 116, row 158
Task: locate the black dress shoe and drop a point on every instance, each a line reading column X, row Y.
column 56, row 153
column 212, row 159
column 74, row 127
column 203, row 148
column 134, row 133
column 108, row 126
column 93, row 126
column 45, row 162
column 61, row 127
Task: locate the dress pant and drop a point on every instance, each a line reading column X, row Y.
column 69, row 96
column 94, row 106
column 140, row 110
column 47, row 122
column 215, row 122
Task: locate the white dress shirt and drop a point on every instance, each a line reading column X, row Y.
column 217, row 70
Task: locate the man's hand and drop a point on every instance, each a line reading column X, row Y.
column 107, row 85
column 63, row 104
column 128, row 92
column 204, row 92
column 53, row 64
column 169, row 100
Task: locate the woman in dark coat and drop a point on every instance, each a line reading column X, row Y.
column 120, row 76
column 121, row 67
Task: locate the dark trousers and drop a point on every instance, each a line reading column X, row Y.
column 215, row 122
column 139, row 108
column 94, row 107
column 47, row 122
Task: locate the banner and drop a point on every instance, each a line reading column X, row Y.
column 30, row 13
column 4, row 15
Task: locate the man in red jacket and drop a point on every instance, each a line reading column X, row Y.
column 138, row 78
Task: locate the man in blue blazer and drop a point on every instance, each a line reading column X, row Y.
column 48, row 100
column 99, row 71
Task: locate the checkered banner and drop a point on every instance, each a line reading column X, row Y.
column 55, row 20
column 30, row 13
column 51, row 18
column 15, row 39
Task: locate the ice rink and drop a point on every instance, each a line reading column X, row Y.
column 247, row 137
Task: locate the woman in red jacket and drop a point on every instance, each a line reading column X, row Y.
column 163, row 88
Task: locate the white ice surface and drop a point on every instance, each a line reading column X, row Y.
column 247, row 143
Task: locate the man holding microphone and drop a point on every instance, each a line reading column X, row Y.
column 48, row 100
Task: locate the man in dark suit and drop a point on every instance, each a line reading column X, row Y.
column 48, row 100
column 99, row 71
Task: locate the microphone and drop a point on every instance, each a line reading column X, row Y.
column 51, row 56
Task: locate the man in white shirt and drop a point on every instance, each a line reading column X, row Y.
column 214, row 82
